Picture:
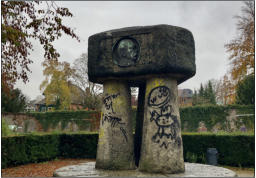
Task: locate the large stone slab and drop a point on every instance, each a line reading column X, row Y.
column 141, row 52
column 192, row 170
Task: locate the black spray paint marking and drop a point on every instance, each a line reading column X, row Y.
column 161, row 114
column 159, row 96
column 110, row 115
column 108, row 101
column 112, row 120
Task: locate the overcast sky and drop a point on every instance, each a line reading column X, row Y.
column 211, row 23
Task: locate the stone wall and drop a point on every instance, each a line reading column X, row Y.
column 217, row 118
column 23, row 123
column 233, row 120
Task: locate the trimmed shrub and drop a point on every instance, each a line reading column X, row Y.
column 19, row 150
column 234, row 150
column 29, row 149
column 13, row 151
column 78, row 145
column 42, row 148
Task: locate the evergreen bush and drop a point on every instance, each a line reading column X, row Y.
column 234, row 150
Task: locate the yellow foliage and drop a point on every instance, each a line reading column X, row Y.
column 241, row 49
column 56, row 85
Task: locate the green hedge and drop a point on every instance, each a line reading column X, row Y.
column 213, row 114
column 51, row 119
column 19, row 150
column 29, row 149
column 78, row 145
column 234, row 150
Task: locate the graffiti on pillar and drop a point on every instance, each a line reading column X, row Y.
column 110, row 115
column 108, row 102
column 161, row 113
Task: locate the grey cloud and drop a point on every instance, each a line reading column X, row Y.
column 211, row 23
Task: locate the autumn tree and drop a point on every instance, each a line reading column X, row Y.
column 241, row 48
column 80, row 78
column 22, row 21
column 80, row 75
column 56, row 84
column 225, row 90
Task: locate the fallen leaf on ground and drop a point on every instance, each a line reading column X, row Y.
column 44, row 169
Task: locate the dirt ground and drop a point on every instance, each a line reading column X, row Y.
column 243, row 172
column 46, row 169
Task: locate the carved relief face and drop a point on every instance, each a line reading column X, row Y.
column 127, row 49
column 159, row 96
column 126, row 52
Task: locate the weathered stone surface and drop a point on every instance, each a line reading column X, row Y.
column 162, row 149
column 162, row 55
column 115, row 145
column 141, row 52
column 192, row 170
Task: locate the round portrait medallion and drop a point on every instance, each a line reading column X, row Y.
column 126, row 52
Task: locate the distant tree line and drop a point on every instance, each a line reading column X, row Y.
column 237, row 85
column 223, row 93
column 205, row 95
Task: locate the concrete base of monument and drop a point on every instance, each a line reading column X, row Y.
column 191, row 170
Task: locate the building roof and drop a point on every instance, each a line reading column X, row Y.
column 40, row 102
column 185, row 93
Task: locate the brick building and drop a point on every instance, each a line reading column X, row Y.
column 185, row 97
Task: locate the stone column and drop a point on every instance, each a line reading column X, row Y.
column 115, row 145
column 162, row 150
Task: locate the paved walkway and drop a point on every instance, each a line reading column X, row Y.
column 46, row 169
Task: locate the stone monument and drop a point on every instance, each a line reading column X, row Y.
column 156, row 59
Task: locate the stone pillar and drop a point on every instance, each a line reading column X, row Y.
column 115, row 145
column 162, row 150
